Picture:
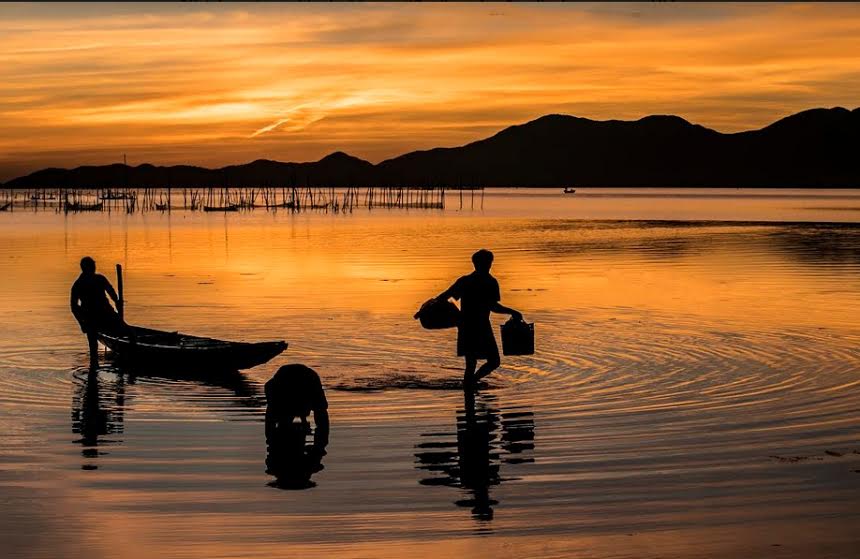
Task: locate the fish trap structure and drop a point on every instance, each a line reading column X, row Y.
column 225, row 199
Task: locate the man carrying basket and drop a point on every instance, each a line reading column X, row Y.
column 479, row 295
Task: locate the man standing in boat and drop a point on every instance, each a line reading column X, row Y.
column 479, row 295
column 90, row 305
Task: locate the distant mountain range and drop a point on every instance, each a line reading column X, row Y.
column 814, row 148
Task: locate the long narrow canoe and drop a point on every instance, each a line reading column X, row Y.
column 177, row 350
column 229, row 208
column 81, row 207
column 117, row 196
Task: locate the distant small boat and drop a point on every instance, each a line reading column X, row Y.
column 162, row 207
column 81, row 207
column 174, row 350
column 230, row 208
column 5, row 207
column 569, row 190
column 117, row 195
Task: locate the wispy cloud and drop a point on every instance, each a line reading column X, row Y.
column 297, row 118
column 270, row 127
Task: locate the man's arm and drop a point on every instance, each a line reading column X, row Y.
column 270, row 423
column 73, row 302
column 500, row 308
column 110, row 291
column 452, row 292
column 321, row 430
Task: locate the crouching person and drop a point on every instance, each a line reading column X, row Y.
column 292, row 394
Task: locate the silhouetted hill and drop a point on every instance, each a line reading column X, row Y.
column 337, row 169
column 814, row 148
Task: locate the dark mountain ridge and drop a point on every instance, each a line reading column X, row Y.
column 813, row 148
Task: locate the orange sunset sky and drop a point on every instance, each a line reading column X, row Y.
column 214, row 84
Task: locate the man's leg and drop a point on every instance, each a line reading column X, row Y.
column 491, row 365
column 93, row 341
column 469, row 373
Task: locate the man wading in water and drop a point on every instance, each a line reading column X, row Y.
column 479, row 295
column 91, row 307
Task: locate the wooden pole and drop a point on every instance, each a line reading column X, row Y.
column 120, row 305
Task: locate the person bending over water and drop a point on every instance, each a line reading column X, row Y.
column 291, row 395
column 479, row 295
column 90, row 306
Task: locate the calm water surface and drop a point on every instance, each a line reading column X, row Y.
column 695, row 393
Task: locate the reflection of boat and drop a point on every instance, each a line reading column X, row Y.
column 82, row 207
column 229, row 208
column 182, row 351
column 246, row 393
column 569, row 190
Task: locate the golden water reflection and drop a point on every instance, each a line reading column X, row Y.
column 694, row 389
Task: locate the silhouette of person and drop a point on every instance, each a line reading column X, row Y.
column 94, row 415
column 91, row 308
column 485, row 439
column 291, row 395
column 479, row 295
column 478, row 469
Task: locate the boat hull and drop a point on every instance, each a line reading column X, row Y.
column 174, row 350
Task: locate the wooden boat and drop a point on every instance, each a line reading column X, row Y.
column 117, row 195
column 5, row 207
column 230, row 208
column 81, row 207
column 569, row 190
column 174, row 350
column 162, row 207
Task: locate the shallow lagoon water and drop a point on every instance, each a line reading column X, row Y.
column 695, row 391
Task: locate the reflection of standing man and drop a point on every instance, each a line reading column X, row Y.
column 479, row 295
column 95, row 415
column 478, row 470
column 89, row 302
column 485, row 439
